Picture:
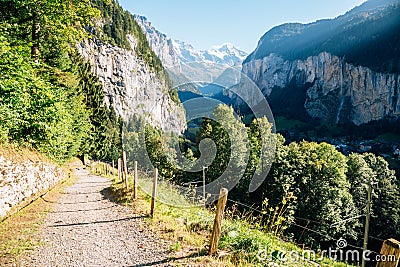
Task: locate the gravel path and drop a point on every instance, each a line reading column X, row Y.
column 85, row 228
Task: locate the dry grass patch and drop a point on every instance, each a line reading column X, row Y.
column 20, row 154
column 20, row 232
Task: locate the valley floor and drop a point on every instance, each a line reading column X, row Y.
column 86, row 228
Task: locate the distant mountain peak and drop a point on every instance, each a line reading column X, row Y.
column 226, row 53
column 229, row 46
column 171, row 52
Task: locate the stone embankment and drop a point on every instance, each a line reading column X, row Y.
column 20, row 181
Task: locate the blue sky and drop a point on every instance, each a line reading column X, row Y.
column 242, row 22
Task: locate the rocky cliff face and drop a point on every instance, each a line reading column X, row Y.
column 159, row 42
column 131, row 87
column 337, row 91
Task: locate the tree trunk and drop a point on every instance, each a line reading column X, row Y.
column 82, row 158
column 35, row 37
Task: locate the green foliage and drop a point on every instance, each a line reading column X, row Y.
column 118, row 24
column 309, row 185
column 37, row 108
column 368, row 168
column 321, row 186
column 150, row 147
column 59, row 24
column 230, row 137
column 104, row 139
column 315, row 174
column 55, row 106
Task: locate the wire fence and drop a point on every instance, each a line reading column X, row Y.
column 306, row 228
column 298, row 220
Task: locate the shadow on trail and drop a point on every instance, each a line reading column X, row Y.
column 99, row 222
column 71, row 211
column 71, row 203
column 100, row 183
column 170, row 259
column 79, row 193
column 108, row 195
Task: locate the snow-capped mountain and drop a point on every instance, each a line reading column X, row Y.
column 225, row 54
column 186, row 52
column 169, row 50
column 159, row 42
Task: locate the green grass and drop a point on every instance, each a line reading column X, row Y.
column 388, row 137
column 283, row 123
column 241, row 243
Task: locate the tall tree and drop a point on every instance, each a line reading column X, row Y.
column 369, row 168
column 231, row 140
column 321, row 188
column 55, row 25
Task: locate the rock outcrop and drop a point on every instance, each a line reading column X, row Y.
column 131, row 87
column 159, row 43
column 21, row 180
column 337, row 91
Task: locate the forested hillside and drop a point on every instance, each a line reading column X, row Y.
column 117, row 25
column 310, row 184
column 49, row 99
column 364, row 36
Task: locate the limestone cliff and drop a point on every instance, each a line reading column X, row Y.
column 336, row 91
column 340, row 70
column 159, row 43
column 130, row 86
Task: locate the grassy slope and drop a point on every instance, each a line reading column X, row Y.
column 283, row 123
column 388, row 137
column 189, row 230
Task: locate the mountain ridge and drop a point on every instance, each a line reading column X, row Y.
column 225, row 53
column 370, row 23
column 340, row 71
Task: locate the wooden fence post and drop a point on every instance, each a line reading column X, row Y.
column 113, row 169
column 135, row 179
column 125, row 169
column 154, row 194
column 219, row 213
column 119, row 168
column 390, row 254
